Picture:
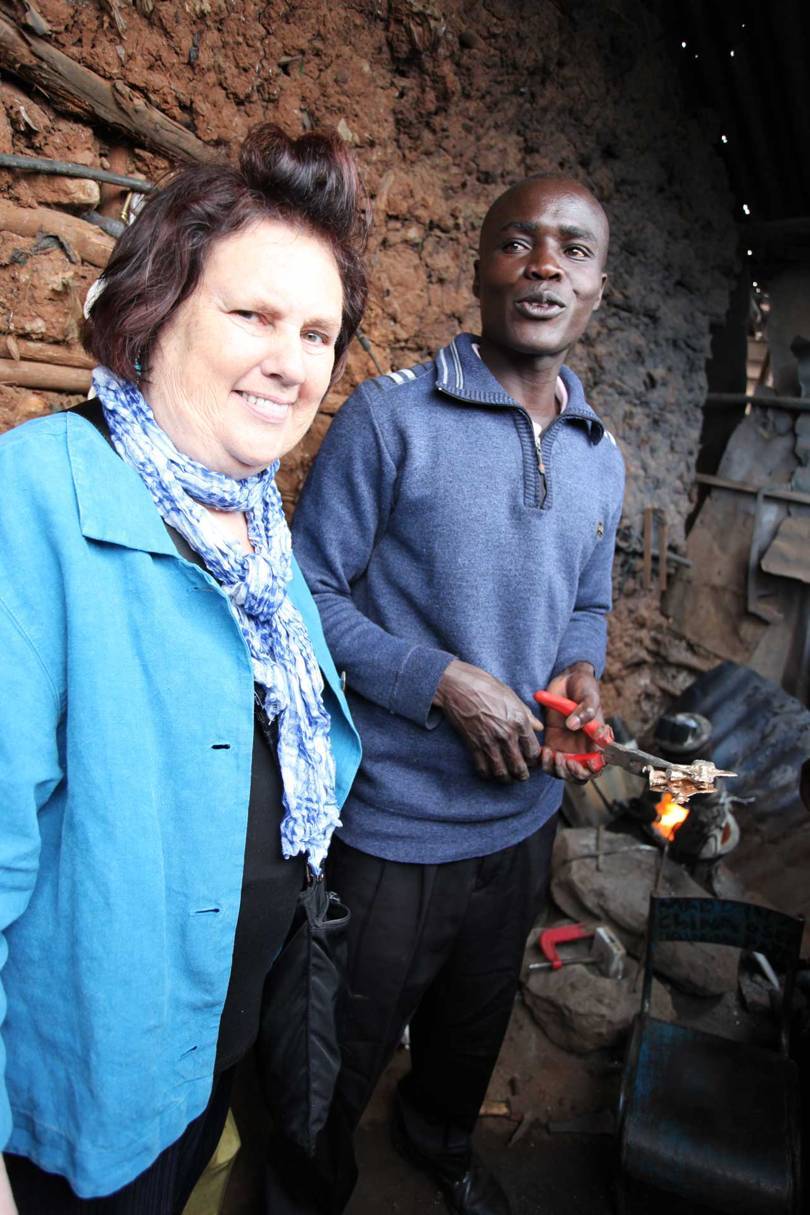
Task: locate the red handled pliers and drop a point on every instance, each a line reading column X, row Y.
column 610, row 752
column 702, row 772
column 601, row 734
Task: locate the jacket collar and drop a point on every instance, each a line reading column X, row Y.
column 463, row 374
column 114, row 504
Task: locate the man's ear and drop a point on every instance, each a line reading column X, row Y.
column 476, row 280
column 598, row 303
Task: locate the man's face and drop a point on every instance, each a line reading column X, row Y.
column 540, row 272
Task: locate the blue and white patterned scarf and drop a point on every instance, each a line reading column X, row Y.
column 284, row 663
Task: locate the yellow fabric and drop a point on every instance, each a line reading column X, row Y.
column 207, row 1195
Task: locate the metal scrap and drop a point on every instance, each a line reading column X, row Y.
column 685, row 780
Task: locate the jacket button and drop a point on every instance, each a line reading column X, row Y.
column 343, row 681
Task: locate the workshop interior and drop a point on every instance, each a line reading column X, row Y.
column 658, row 1057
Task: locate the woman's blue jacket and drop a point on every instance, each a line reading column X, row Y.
column 126, row 736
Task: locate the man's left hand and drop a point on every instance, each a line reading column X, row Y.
column 578, row 683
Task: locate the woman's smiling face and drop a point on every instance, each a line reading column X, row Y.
column 237, row 373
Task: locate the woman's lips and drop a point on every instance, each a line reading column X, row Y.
column 266, row 408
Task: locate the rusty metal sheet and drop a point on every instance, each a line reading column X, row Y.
column 788, row 555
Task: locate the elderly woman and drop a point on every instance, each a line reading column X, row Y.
column 170, row 755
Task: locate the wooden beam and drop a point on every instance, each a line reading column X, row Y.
column 649, row 513
column 44, row 375
column 45, row 352
column 89, row 242
column 719, row 399
column 77, row 90
column 744, row 487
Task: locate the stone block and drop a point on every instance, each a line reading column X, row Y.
column 582, row 1011
column 800, row 481
column 619, row 893
column 74, row 192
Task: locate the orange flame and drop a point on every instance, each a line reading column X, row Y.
column 671, row 814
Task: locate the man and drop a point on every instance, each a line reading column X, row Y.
column 457, row 531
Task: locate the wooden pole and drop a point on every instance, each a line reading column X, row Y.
column 718, row 399
column 663, row 544
column 744, row 487
column 113, row 197
column 44, row 375
column 45, row 352
column 77, row 90
column 90, row 243
column 648, row 539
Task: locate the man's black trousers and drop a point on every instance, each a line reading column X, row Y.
column 437, row 947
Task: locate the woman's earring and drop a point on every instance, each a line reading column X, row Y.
column 138, row 365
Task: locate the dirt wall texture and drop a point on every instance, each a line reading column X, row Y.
column 446, row 102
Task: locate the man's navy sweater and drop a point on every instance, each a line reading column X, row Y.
column 427, row 532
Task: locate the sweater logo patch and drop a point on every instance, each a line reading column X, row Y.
column 600, row 530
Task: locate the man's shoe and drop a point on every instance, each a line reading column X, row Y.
column 476, row 1191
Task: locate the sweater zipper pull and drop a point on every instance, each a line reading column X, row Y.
column 541, row 469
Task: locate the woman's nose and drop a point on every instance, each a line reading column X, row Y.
column 284, row 357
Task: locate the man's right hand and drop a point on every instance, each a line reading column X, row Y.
column 500, row 730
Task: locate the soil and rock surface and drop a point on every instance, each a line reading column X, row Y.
column 445, row 105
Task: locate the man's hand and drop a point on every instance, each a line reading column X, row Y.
column 577, row 683
column 496, row 725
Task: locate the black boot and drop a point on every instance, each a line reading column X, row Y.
column 468, row 1186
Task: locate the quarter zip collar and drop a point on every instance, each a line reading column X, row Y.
column 463, row 374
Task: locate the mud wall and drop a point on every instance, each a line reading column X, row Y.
column 446, row 102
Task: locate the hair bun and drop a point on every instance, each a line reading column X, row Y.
column 314, row 174
column 309, row 182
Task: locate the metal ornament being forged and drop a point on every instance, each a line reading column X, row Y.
column 663, row 776
column 685, row 780
column 681, row 780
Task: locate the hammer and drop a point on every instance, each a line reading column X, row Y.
column 607, row 953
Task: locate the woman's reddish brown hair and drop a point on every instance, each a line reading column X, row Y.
column 158, row 261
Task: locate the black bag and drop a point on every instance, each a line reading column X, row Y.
column 298, row 1052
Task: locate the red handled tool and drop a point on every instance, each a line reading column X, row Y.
column 701, row 774
column 601, row 734
column 550, row 938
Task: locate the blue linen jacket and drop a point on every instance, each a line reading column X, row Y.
column 126, row 735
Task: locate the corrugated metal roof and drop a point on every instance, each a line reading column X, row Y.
column 749, row 62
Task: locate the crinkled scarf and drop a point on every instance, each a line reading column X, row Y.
column 284, row 663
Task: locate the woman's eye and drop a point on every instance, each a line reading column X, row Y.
column 247, row 315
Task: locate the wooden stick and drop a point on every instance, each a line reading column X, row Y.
column 44, row 375
column 648, row 538
column 718, row 399
column 91, row 244
column 45, row 352
column 663, row 544
column 113, row 198
column 77, row 90
column 744, row 487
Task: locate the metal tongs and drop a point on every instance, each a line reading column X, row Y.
column 681, row 780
